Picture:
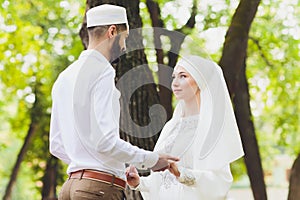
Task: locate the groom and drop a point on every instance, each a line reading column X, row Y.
column 84, row 130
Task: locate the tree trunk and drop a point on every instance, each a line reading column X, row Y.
column 32, row 129
column 234, row 67
column 165, row 95
column 49, row 179
column 294, row 187
column 35, row 115
column 176, row 39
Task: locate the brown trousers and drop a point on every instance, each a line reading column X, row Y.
column 86, row 189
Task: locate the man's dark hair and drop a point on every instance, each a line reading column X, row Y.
column 98, row 31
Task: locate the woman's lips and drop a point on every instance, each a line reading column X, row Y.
column 176, row 90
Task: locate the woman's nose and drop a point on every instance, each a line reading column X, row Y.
column 175, row 82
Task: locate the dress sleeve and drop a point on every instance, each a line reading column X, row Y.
column 210, row 184
column 148, row 183
column 144, row 184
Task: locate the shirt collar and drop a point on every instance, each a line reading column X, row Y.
column 95, row 54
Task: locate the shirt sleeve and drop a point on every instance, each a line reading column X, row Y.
column 106, row 108
column 56, row 146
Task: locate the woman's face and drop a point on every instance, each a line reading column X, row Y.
column 183, row 85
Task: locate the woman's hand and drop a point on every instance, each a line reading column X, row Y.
column 174, row 169
column 132, row 175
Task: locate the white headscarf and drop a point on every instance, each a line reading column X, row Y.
column 216, row 141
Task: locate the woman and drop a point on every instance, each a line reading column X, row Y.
column 202, row 133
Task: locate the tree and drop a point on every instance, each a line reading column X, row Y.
column 12, row 180
column 273, row 60
column 50, row 179
column 233, row 62
column 294, row 192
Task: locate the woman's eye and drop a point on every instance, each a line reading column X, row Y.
column 182, row 76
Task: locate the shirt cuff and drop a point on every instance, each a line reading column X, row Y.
column 150, row 160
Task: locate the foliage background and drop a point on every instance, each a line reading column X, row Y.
column 38, row 39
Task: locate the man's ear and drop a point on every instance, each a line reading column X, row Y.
column 112, row 31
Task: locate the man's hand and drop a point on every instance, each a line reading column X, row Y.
column 132, row 176
column 163, row 162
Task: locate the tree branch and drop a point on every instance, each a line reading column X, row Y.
column 263, row 56
column 154, row 11
column 32, row 129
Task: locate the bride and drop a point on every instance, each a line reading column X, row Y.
column 202, row 132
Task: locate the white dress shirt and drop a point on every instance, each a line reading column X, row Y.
column 84, row 129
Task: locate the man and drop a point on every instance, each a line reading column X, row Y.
column 84, row 130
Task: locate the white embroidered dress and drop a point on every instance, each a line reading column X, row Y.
column 183, row 133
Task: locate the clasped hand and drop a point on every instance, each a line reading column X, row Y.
column 164, row 162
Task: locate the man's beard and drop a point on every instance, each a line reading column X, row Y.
column 115, row 51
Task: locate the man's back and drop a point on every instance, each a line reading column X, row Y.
column 76, row 147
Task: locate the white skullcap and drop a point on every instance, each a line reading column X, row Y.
column 106, row 15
